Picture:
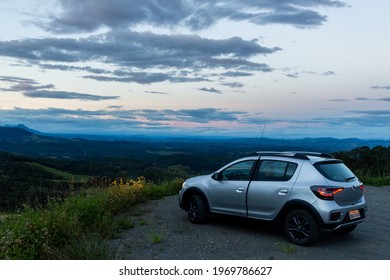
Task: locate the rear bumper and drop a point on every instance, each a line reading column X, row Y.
column 345, row 220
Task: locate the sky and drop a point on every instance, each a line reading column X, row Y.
column 284, row 69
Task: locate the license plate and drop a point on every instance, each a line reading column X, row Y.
column 354, row 214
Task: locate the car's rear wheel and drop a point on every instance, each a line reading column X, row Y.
column 197, row 210
column 301, row 227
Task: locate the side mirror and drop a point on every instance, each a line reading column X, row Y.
column 216, row 176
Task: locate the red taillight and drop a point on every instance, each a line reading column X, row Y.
column 361, row 187
column 326, row 192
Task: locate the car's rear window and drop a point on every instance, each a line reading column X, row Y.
column 334, row 170
column 272, row 170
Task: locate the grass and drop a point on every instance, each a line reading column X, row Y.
column 289, row 249
column 64, row 175
column 77, row 227
column 156, row 237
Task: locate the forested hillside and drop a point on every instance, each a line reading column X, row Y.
column 372, row 165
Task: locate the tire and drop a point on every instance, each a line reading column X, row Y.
column 345, row 230
column 197, row 210
column 301, row 227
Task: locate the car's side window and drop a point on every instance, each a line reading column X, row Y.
column 272, row 170
column 238, row 172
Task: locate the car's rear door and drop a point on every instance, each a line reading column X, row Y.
column 270, row 188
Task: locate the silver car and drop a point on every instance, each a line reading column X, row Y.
column 306, row 191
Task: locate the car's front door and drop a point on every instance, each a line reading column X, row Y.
column 228, row 191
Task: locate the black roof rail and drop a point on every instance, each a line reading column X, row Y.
column 316, row 154
column 293, row 154
column 270, row 153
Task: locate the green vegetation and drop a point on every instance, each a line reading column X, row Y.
column 77, row 227
column 156, row 237
column 371, row 165
column 61, row 175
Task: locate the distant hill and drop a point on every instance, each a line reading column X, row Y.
column 23, row 140
column 14, row 133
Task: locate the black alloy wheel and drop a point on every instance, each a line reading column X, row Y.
column 301, row 227
column 197, row 210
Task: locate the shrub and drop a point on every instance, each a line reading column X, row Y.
column 75, row 228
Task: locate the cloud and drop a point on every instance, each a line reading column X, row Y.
column 293, row 75
column 371, row 118
column 300, row 75
column 362, row 120
column 137, row 49
column 213, row 90
column 66, row 95
column 155, row 92
column 63, row 67
column 373, row 112
column 142, row 57
column 329, row 73
column 33, row 89
column 117, row 119
column 233, row 84
column 236, row 74
column 88, row 15
column 338, row 100
column 381, row 87
column 386, row 99
column 291, row 15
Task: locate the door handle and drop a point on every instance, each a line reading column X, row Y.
column 283, row 192
column 240, row 190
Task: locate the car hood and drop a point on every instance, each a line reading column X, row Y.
column 195, row 181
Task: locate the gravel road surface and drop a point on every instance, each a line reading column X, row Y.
column 163, row 231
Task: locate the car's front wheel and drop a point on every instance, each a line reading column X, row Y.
column 197, row 210
column 301, row 227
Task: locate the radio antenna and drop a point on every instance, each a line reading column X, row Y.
column 261, row 138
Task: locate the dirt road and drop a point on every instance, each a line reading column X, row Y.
column 163, row 231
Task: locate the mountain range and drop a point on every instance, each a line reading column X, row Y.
column 23, row 140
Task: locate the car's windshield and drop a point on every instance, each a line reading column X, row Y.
column 335, row 171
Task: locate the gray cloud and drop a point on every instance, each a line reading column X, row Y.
column 381, row 87
column 118, row 120
column 63, row 67
column 293, row 75
column 213, row 90
column 386, row 99
column 155, row 92
column 233, row 84
column 33, row 89
column 371, row 118
column 88, row 15
column 66, row 95
column 373, row 112
column 329, row 73
column 361, row 119
column 174, row 58
column 115, row 118
column 236, row 74
column 338, row 100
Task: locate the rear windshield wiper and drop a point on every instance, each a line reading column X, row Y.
column 350, row 178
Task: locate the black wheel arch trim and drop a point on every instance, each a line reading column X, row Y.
column 190, row 192
column 300, row 204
